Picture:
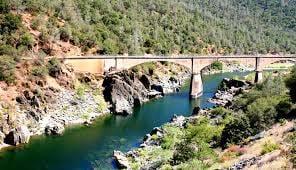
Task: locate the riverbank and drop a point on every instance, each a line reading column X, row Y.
column 49, row 103
column 195, row 142
column 45, row 101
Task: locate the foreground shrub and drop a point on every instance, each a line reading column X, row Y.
column 284, row 108
column 269, row 147
column 237, row 130
column 7, row 69
column 262, row 113
column 291, row 84
column 10, row 23
column 40, row 71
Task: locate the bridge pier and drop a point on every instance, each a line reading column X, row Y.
column 196, row 86
column 258, row 76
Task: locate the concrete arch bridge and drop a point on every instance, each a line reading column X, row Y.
column 100, row 64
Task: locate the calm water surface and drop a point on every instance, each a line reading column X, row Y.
column 87, row 148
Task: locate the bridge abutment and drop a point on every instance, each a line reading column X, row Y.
column 196, row 86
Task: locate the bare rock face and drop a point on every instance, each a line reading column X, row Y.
column 121, row 160
column 124, row 92
column 18, row 136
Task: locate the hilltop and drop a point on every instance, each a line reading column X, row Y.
column 73, row 27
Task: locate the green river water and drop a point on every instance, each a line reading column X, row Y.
column 87, row 148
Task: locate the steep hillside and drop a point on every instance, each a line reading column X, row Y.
column 136, row 27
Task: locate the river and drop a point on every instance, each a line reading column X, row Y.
column 87, row 148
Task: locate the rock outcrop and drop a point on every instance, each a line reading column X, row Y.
column 126, row 90
column 121, row 160
column 18, row 136
column 227, row 90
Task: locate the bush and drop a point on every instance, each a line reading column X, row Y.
column 65, row 34
column 291, row 84
column 235, row 131
column 184, row 151
column 217, row 65
column 54, row 67
column 40, row 71
column 4, row 6
column 10, row 23
column 7, row 69
column 173, row 136
column 8, row 50
column 269, row 147
column 27, row 40
column 284, row 108
column 262, row 113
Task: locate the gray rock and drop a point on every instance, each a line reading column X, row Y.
column 54, row 129
column 196, row 111
column 121, row 160
column 146, row 81
column 28, row 94
column 21, row 99
column 124, row 93
column 18, row 136
column 35, row 115
column 158, row 88
column 35, row 102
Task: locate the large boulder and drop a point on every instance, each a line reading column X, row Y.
column 121, row 160
column 123, row 91
column 227, row 84
column 18, row 136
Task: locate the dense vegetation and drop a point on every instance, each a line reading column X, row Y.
column 158, row 27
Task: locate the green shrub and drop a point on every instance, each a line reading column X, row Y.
column 65, row 34
column 283, row 108
column 291, row 84
column 262, row 113
column 8, row 50
column 54, row 67
column 217, row 65
column 110, row 47
column 269, row 147
column 172, row 136
column 292, row 140
column 235, row 131
column 40, row 71
column 10, row 23
column 102, row 105
column 184, row 152
column 27, row 40
column 7, row 69
column 4, row 6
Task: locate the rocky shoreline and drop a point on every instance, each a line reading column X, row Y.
column 49, row 107
column 228, row 89
column 46, row 105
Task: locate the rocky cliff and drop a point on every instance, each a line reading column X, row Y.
column 131, row 88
